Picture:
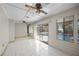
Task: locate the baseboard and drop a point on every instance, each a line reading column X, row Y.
column 29, row 37
column 20, row 37
column 6, row 47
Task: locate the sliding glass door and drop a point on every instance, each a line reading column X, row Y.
column 42, row 31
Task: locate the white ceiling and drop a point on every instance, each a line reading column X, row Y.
column 19, row 12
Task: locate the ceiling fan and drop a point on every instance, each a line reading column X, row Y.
column 38, row 8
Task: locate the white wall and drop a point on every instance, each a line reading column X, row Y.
column 20, row 29
column 70, row 48
column 11, row 30
column 4, row 31
column 67, row 47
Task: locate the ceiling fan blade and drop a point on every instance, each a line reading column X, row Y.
column 30, row 6
column 43, row 12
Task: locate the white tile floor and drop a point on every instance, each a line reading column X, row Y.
column 24, row 47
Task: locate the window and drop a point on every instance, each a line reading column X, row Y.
column 65, row 28
column 60, row 29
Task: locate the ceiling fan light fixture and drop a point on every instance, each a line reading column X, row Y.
column 38, row 11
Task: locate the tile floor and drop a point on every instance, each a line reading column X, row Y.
column 24, row 47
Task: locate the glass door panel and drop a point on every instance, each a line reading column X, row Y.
column 45, row 33
column 39, row 32
column 42, row 31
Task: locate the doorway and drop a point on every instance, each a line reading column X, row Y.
column 42, row 33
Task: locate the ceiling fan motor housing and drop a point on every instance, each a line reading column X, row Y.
column 38, row 6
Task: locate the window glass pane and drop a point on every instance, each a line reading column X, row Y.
column 42, row 31
column 68, row 29
column 65, row 28
column 60, row 29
